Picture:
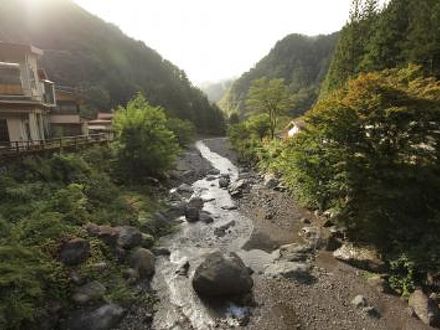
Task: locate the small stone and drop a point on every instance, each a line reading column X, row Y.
column 359, row 301
column 192, row 214
column 305, row 221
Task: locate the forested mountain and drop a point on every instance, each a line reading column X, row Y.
column 405, row 31
column 300, row 60
column 216, row 91
column 81, row 50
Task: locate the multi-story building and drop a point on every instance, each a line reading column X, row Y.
column 26, row 95
column 65, row 118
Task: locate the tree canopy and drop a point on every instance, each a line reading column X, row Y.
column 269, row 96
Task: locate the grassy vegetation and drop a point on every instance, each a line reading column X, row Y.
column 45, row 201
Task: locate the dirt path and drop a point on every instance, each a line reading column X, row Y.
column 325, row 302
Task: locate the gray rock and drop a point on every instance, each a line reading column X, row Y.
column 237, row 188
column 230, row 207
column 104, row 318
column 211, row 177
column 142, row 260
column 192, row 214
column 221, row 230
column 183, row 268
column 185, row 188
column 91, row 291
column 223, row 182
column 363, row 257
column 206, row 217
column 222, row 275
column 214, row 171
column 129, row 237
column 295, row 252
column 176, row 210
column 270, row 181
column 75, row 251
column 174, row 196
column 292, row 270
column 425, row 308
column 359, row 301
column 312, row 235
column 77, row 278
column 196, row 202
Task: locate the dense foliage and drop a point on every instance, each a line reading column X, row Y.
column 43, row 203
column 83, row 51
column 404, row 32
column 370, row 153
column 270, row 97
column 144, row 143
column 300, row 60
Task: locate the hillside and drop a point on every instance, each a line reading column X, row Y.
column 404, row 32
column 215, row 91
column 303, row 63
column 81, row 50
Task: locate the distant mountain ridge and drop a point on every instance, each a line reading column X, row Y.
column 300, row 60
column 216, row 90
column 81, row 50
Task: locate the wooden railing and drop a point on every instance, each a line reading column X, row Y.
column 17, row 148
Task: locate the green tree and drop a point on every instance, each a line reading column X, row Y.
column 371, row 151
column 144, row 144
column 271, row 97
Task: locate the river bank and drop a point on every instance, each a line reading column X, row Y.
column 264, row 220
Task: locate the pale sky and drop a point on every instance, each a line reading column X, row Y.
column 217, row 39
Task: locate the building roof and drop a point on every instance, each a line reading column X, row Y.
column 20, row 47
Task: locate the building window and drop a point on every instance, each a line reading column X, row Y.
column 4, row 132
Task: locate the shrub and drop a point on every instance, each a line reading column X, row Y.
column 183, row 129
column 144, row 145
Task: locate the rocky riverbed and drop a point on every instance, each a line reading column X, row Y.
column 297, row 282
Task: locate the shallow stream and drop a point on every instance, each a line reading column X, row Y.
column 180, row 307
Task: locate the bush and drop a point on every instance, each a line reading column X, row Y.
column 183, row 129
column 144, row 145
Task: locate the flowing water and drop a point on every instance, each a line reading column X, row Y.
column 180, row 307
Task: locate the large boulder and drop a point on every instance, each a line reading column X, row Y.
column 425, row 308
column 75, row 251
column 222, row 275
column 129, row 237
column 363, row 257
column 142, row 260
column 91, row 291
column 104, row 318
column 291, row 270
column 295, row 252
column 192, row 214
column 196, row 202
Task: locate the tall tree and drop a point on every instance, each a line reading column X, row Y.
column 270, row 96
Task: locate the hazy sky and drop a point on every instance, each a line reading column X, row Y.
column 217, row 39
